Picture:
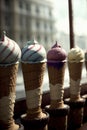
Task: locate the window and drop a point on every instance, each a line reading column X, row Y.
column 38, row 38
column 21, row 4
column 7, row 20
column 37, row 24
column 7, row 3
column 28, row 7
column 60, row 20
column 45, row 25
column 46, row 38
column 22, row 21
column 21, row 37
column 61, row 17
column 37, row 9
column 50, row 13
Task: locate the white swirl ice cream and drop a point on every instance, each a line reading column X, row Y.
column 76, row 55
column 10, row 52
column 33, row 52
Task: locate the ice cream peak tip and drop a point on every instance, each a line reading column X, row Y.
column 56, row 45
column 3, row 35
column 33, row 41
column 10, row 51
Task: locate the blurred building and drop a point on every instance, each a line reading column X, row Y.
column 25, row 19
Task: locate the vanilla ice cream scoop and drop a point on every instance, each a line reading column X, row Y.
column 76, row 55
column 33, row 52
column 10, row 52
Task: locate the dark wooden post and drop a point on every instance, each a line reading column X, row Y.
column 76, row 102
column 71, row 24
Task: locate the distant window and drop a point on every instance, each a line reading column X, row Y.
column 37, row 24
column 28, row 7
column 21, row 4
column 45, row 25
column 45, row 38
column 51, row 27
column 28, row 37
column 37, row 9
column 21, row 37
column 22, row 20
column 7, row 20
column 38, row 37
column 7, row 3
column 50, row 13
column 27, row 22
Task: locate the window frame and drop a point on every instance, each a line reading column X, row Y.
column 20, row 105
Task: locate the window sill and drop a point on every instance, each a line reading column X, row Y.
column 20, row 105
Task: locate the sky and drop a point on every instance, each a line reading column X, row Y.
column 80, row 15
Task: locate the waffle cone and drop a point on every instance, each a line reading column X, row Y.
column 56, row 75
column 33, row 75
column 8, row 76
column 75, row 70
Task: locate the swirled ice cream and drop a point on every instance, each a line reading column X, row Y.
column 76, row 55
column 9, row 51
column 33, row 52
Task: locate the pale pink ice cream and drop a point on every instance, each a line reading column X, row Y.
column 56, row 54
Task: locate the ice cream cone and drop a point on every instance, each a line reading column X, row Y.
column 8, row 74
column 75, row 71
column 56, row 79
column 33, row 77
column 56, row 63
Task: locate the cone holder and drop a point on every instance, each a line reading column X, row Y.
column 35, row 124
column 75, row 118
column 58, row 117
column 85, row 108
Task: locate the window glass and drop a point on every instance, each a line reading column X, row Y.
column 7, row 3
column 21, row 4
column 37, row 9
column 50, row 20
column 61, row 18
column 37, row 24
column 7, row 20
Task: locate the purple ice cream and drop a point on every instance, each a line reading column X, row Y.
column 56, row 56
